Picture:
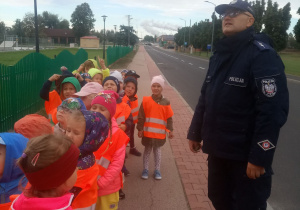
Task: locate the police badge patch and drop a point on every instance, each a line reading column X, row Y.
column 266, row 145
column 269, row 87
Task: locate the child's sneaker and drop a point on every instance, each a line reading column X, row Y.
column 145, row 174
column 157, row 175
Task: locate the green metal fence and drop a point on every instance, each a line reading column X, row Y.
column 20, row 84
column 115, row 53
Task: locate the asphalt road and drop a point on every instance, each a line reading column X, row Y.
column 186, row 74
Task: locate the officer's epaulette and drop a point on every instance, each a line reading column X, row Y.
column 261, row 45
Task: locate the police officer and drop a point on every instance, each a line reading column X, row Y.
column 242, row 106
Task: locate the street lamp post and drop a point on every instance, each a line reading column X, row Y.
column 104, row 17
column 115, row 34
column 213, row 22
column 184, row 32
column 37, row 45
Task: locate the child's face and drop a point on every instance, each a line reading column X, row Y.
column 123, row 74
column 97, row 78
column 156, row 89
column 2, row 158
column 75, row 131
column 87, row 100
column 101, row 109
column 68, row 89
column 110, row 85
column 129, row 89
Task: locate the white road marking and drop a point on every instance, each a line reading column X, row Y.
column 293, row 80
column 182, row 60
column 201, row 67
column 190, row 63
column 159, row 63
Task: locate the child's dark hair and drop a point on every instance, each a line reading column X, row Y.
column 89, row 64
column 50, row 148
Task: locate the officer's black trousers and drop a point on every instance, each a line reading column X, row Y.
column 229, row 188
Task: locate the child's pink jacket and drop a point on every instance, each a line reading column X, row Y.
column 111, row 181
column 24, row 203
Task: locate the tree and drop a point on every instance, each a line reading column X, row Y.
column 259, row 11
column 50, row 20
column 2, row 31
column 63, row 24
column 277, row 22
column 29, row 26
column 122, row 36
column 17, row 28
column 297, row 28
column 82, row 20
column 148, row 38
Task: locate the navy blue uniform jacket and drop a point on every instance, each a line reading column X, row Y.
column 244, row 100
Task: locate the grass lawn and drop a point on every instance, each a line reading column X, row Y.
column 11, row 58
column 291, row 61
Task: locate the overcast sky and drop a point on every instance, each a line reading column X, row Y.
column 149, row 17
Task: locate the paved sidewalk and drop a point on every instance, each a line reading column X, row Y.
column 184, row 182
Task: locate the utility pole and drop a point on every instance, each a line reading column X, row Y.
column 213, row 26
column 37, row 46
column 129, row 18
column 115, row 35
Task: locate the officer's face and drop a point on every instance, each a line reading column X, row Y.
column 235, row 21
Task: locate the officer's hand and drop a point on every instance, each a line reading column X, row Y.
column 194, row 146
column 254, row 171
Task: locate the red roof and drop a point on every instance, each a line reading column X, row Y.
column 59, row 32
column 89, row 37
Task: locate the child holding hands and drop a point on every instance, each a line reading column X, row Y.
column 154, row 121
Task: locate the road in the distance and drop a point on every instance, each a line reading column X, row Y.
column 186, row 74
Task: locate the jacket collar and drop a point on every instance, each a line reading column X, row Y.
column 233, row 43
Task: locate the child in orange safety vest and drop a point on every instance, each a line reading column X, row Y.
column 154, row 122
column 110, row 156
column 88, row 130
column 131, row 98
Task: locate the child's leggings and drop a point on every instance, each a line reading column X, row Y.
column 157, row 156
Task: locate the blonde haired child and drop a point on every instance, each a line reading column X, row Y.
column 110, row 156
column 49, row 163
column 154, row 122
column 87, row 130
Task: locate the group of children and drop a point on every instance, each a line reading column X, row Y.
column 76, row 158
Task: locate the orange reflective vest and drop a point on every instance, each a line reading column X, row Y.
column 156, row 116
column 105, row 153
column 87, row 181
column 134, row 105
column 54, row 101
column 122, row 113
column 6, row 206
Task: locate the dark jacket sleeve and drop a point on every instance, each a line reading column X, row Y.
column 128, row 123
column 194, row 132
column 44, row 92
column 271, row 106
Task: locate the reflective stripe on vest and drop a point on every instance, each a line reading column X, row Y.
column 103, row 162
column 155, row 130
column 155, row 120
column 120, row 120
column 135, row 110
